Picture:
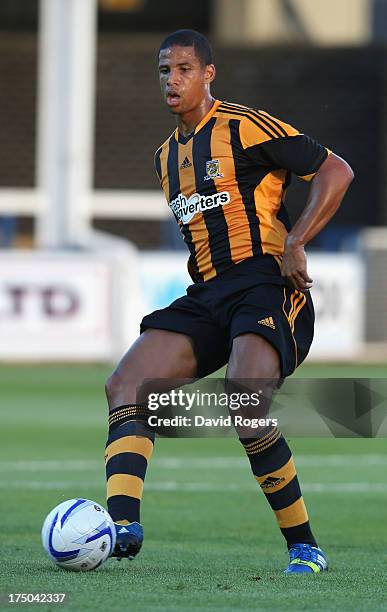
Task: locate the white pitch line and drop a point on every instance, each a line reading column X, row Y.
column 200, row 487
column 50, row 465
column 218, row 463
column 301, row 460
column 316, row 487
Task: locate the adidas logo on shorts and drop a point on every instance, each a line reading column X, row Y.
column 268, row 321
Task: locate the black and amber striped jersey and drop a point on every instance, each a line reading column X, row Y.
column 226, row 184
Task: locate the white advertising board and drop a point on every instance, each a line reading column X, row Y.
column 76, row 307
column 338, row 295
column 164, row 277
column 57, row 306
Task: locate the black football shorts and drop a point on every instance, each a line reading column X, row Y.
column 250, row 297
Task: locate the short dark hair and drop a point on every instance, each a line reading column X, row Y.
column 190, row 38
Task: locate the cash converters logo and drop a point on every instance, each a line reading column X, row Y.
column 186, row 208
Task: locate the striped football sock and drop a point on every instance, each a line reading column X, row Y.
column 272, row 464
column 128, row 451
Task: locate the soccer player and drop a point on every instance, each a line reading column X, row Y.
column 224, row 172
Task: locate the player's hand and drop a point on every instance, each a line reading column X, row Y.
column 294, row 267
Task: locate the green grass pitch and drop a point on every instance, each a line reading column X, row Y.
column 211, row 542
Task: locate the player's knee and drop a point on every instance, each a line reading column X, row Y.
column 187, row 366
column 112, row 385
column 120, row 390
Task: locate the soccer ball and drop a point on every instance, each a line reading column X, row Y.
column 78, row 535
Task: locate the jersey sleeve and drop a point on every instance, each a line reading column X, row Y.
column 274, row 144
column 157, row 163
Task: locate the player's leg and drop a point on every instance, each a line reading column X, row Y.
column 157, row 354
column 256, row 363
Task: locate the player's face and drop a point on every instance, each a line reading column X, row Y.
column 184, row 80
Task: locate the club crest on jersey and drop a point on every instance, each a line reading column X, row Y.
column 212, row 170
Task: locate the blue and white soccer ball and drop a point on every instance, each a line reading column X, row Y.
column 78, row 535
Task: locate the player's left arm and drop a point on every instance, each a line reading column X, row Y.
column 328, row 188
column 271, row 143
